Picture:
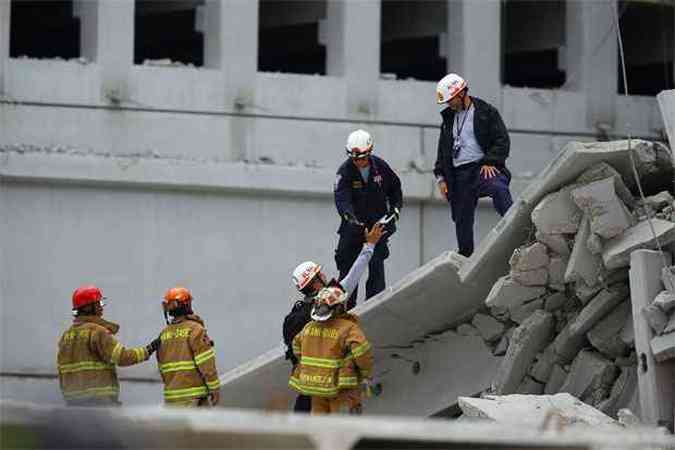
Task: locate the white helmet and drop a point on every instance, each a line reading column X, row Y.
column 449, row 87
column 326, row 301
column 359, row 144
column 304, row 273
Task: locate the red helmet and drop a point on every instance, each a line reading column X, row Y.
column 86, row 295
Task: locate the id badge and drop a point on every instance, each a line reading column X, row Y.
column 456, row 147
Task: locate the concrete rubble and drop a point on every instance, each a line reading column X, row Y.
column 598, row 200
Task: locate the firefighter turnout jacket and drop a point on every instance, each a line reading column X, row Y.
column 187, row 361
column 86, row 360
column 333, row 355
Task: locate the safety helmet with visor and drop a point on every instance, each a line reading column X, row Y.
column 359, row 144
column 326, row 302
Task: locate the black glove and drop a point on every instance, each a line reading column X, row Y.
column 153, row 346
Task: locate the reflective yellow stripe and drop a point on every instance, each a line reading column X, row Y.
column 348, row 382
column 205, row 356
column 311, row 390
column 173, row 394
column 84, row 365
column 117, row 351
column 320, row 362
column 106, row 391
column 361, row 349
column 177, row 366
column 296, row 350
column 140, row 354
column 213, row 385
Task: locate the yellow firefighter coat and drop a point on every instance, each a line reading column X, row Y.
column 187, row 361
column 333, row 355
column 86, row 360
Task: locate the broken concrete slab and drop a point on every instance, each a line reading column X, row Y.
column 489, row 328
column 602, row 171
column 467, row 330
column 617, row 250
column 529, row 410
column 556, row 270
column 530, row 386
column 555, row 301
column 656, row 318
column 605, row 336
column 503, row 345
column 594, row 244
column 541, row 369
column 659, row 201
column 507, row 293
column 670, row 327
column 536, row 277
column 528, row 258
column 555, row 380
column 520, row 313
column 604, row 302
column 556, row 213
column 665, row 300
column 567, row 343
column 668, row 278
column 622, row 392
column 591, row 376
column 663, row 347
column 584, row 292
column 583, row 265
column 528, row 340
column 598, row 200
column 556, row 243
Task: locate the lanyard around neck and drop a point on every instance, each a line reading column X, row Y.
column 458, row 129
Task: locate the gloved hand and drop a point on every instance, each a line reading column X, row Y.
column 214, row 397
column 395, row 212
column 153, row 346
column 367, row 387
column 351, row 218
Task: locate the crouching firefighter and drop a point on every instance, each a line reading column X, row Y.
column 309, row 280
column 88, row 353
column 335, row 359
column 186, row 359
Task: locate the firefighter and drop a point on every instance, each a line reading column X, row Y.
column 88, row 353
column 309, row 280
column 335, row 359
column 186, row 359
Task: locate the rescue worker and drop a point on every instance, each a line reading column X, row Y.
column 471, row 161
column 366, row 190
column 88, row 353
column 335, row 358
column 186, row 359
column 309, row 280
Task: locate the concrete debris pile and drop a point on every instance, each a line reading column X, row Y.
column 562, row 316
column 660, row 316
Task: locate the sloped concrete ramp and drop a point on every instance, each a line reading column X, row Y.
column 421, row 362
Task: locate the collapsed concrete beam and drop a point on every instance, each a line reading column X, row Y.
column 617, row 250
column 590, row 377
column 605, row 336
column 604, row 302
column 583, row 265
column 602, row 171
column 506, row 293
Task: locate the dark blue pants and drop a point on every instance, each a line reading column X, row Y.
column 348, row 249
column 464, row 189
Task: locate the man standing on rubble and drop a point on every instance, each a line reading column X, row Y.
column 366, row 191
column 88, row 353
column 309, row 280
column 471, row 161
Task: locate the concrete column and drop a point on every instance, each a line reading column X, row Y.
column 4, row 41
column 591, row 57
column 352, row 39
column 107, row 38
column 655, row 381
column 231, row 45
column 474, row 46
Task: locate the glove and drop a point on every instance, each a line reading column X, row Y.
column 351, row 218
column 367, row 387
column 153, row 346
column 214, row 397
column 396, row 213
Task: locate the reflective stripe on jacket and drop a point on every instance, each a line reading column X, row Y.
column 86, row 360
column 187, row 361
column 333, row 355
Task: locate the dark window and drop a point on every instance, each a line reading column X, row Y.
column 288, row 36
column 44, row 29
column 166, row 30
column 533, row 32
column 647, row 34
column 411, row 33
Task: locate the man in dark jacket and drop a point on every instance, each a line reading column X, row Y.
column 471, row 162
column 366, row 191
